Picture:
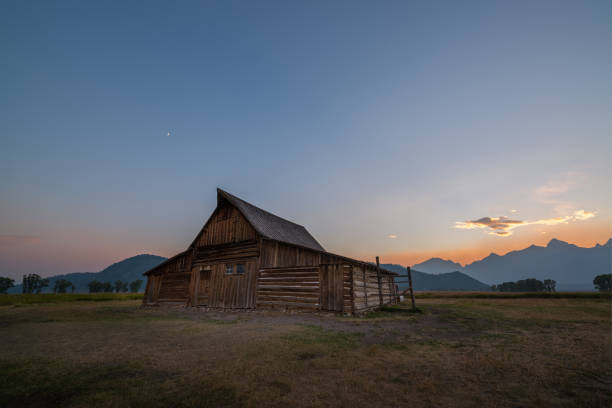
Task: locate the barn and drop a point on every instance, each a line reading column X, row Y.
column 247, row 258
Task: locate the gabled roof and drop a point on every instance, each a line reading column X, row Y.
column 269, row 225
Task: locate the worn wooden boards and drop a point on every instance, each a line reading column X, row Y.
column 366, row 293
column 289, row 288
column 226, row 224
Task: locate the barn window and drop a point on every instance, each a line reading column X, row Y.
column 229, row 269
column 240, row 268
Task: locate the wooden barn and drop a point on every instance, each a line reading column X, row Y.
column 247, row 258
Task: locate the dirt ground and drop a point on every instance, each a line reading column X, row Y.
column 457, row 353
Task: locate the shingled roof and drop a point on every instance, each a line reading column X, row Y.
column 269, row 225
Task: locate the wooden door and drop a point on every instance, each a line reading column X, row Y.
column 201, row 294
column 332, row 285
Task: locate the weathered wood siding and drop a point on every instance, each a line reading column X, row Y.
column 289, row 288
column 171, row 281
column 226, row 225
column 212, row 286
column 366, row 291
column 278, row 255
column 332, row 287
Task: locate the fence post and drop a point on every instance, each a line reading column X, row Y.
column 410, row 284
column 380, row 295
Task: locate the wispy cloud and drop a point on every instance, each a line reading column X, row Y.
column 392, row 236
column 558, row 191
column 503, row 226
column 583, row 215
column 17, row 240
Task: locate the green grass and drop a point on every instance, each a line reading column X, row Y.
column 514, row 295
column 393, row 311
column 28, row 299
column 47, row 383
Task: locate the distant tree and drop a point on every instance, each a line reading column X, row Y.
column 6, row 284
column 107, row 287
column 95, row 286
column 135, row 286
column 61, row 285
column 121, row 286
column 550, row 285
column 33, row 283
column 524, row 285
column 603, row 283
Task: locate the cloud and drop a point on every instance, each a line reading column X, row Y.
column 582, row 215
column 514, row 211
column 558, row 191
column 17, row 240
column 392, row 236
column 503, row 226
column 497, row 226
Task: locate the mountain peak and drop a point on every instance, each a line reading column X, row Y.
column 556, row 243
column 437, row 265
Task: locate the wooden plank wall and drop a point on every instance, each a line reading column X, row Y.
column 278, row 255
column 331, row 278
column 235, row 291
column 174, row 279
column 152, row 290
column 347, row 290
column 289, row 288
column 227, row 224
column 226, row 252
column 365, row 281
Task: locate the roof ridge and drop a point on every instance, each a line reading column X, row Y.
column 259, row 208
column 271, row 225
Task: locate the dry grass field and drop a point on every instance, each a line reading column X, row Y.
column 460, row 352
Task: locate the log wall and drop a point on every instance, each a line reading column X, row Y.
column 170, row 283
column 366, row 291
column 289, row 288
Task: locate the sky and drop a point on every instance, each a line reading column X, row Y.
column 405, row 129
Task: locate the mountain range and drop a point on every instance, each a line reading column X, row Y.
column 454, row 281
column 128, row 270
column 573, row 267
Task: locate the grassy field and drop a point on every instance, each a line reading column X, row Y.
column 6, row 300
column 514, row 295
column 460, row 352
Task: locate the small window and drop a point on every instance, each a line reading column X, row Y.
column 240, row 268
column 229, row 269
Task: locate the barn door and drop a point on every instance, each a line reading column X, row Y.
column 332, row 284
column 202, row 286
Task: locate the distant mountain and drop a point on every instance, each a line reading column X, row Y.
column 128, row 270
column 437, row 265
column 566, row 263
column 454, row 281
column 573, row 267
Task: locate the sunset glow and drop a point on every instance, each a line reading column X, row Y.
column 405, row 131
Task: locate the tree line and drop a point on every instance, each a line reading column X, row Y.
column 526, row 285
column 33, row 283
column 119, row 286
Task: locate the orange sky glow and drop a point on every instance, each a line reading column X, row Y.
column 580, row 235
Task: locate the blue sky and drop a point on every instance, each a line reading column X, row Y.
column 359, row 120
